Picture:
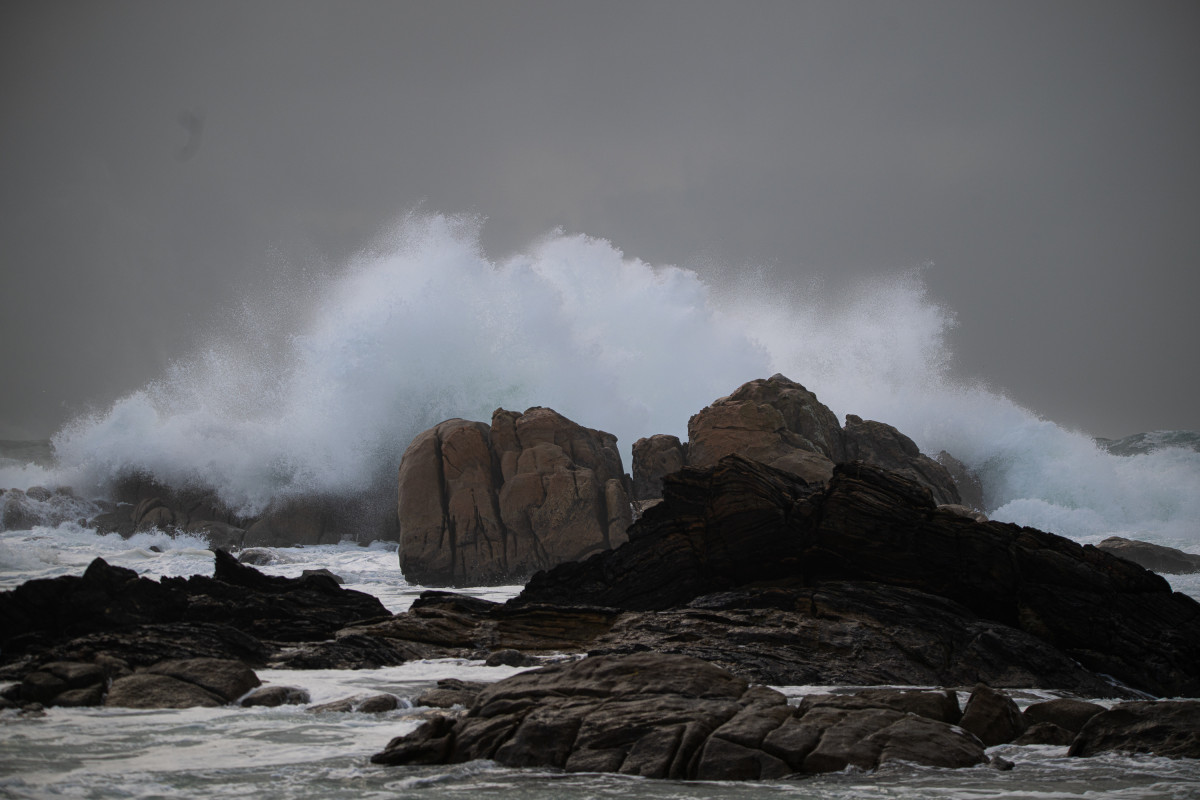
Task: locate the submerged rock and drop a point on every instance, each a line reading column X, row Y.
column 663, row 716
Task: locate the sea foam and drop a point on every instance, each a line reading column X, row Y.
column 323, row 395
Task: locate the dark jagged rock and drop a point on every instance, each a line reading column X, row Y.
column 743, row 524
column 663, row 716
column 144, row 645
column 849, row 633
column 480, row 504
column 344, row 652
column 1168, row 728
column 1156, row 557
column 230, row 615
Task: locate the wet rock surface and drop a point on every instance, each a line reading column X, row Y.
column 664, row 716
column 238, row 613
column 1168, row 728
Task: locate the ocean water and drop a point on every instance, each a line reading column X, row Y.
column 320, row 387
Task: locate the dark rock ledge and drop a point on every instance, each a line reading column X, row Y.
column 665, row 716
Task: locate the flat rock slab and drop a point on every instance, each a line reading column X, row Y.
column 669, row 716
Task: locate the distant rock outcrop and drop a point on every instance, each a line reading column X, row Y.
column 782, row 424
column 1166, row 560
column 482, row 504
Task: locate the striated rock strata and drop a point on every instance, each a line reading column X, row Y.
column 743, row 524
column 482, row 504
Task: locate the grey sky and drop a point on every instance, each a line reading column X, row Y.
column 161, row 158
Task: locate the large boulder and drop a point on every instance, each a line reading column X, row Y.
column 663, row 716
column 654, row 457
column 774, row 420
column 482, row 504
column 780, row 423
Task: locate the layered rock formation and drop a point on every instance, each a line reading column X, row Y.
column 660, row 716
column 780, row 423
column 742, row 524
column 482, row 504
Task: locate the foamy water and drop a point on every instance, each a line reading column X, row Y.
column 324, row 387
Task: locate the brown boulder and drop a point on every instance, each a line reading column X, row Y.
column 654, row 457
column 780, row 423
column 776, row 421
column 482, row 504
column 882, row 445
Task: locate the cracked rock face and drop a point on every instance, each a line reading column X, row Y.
column 482, row 504
column 670, row 716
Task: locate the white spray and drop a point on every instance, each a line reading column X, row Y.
column 424, row 327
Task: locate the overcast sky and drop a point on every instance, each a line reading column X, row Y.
column 160, row 158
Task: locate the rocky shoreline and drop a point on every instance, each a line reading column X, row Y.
column 774, row 548
column 743, row 575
